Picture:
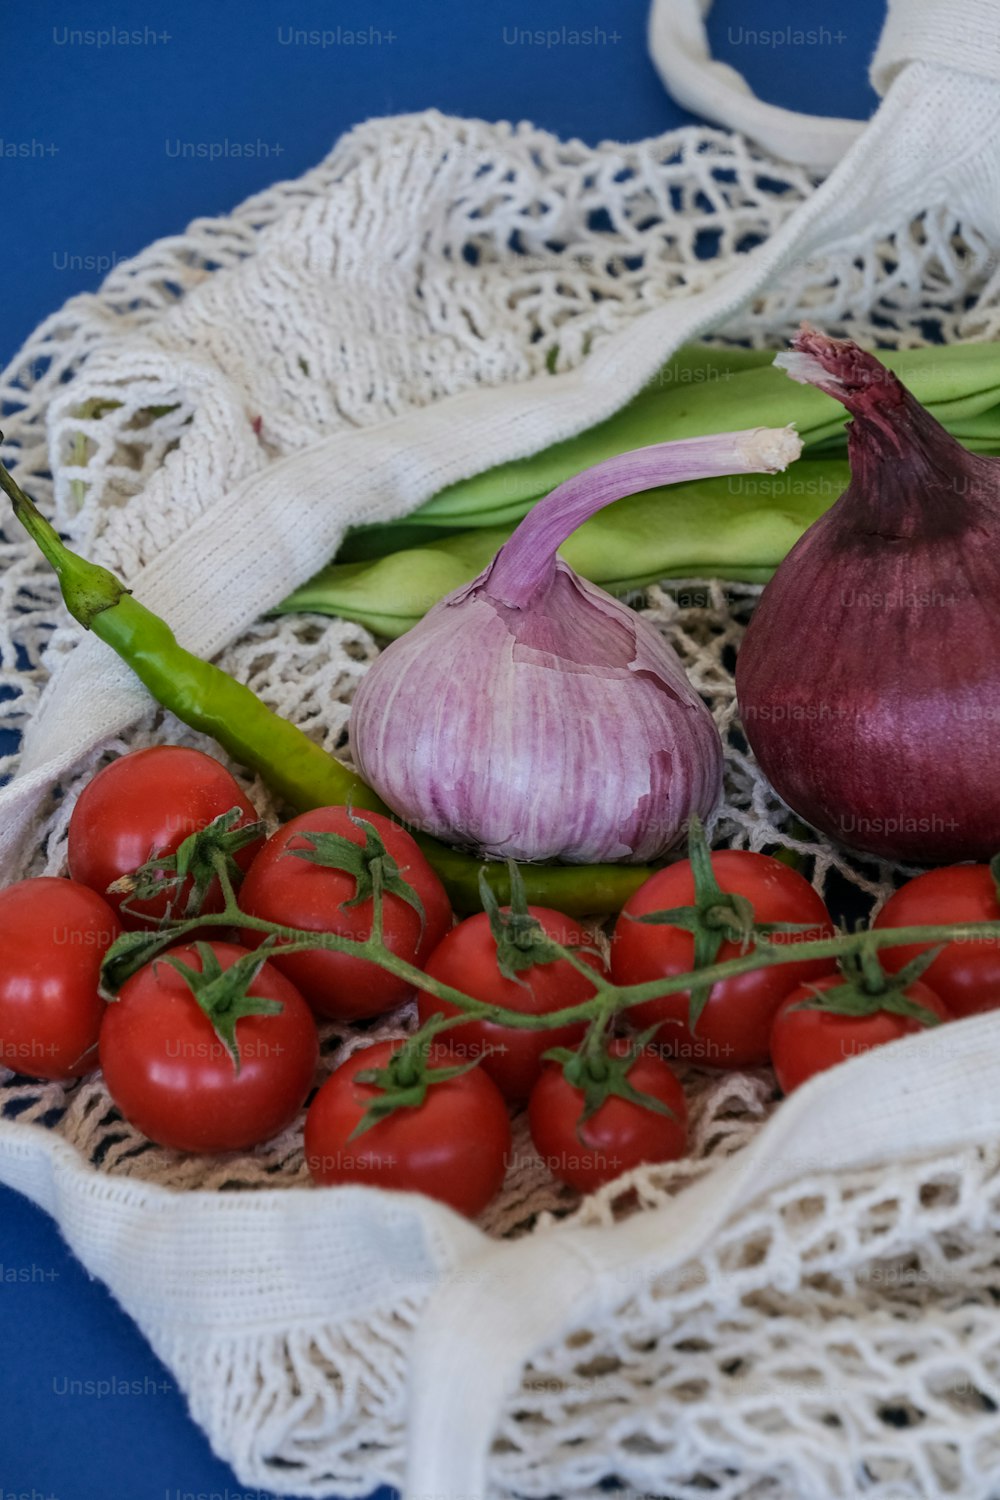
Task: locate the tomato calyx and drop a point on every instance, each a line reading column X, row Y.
column 868, row 989
column 715, row 917
column 520, row 938
column 995, row 873
column 222, row 994
column 404, row 1082
column 375, row 872
column 199, row 859
column 600, row 1072
column 129, row 953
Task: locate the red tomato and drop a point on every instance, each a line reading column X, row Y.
column 804, row 1042
column 173, row 1079
column 466, row 959
column 53, row 936
column 619, row 1134
column 734, row 1027
column 297, row 893
column 143, row 806
column 966, row 976
column 453, row 1147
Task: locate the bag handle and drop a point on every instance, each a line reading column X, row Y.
column 678, row 45
column 965, row 37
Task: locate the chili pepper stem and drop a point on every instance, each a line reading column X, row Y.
column 86, row 588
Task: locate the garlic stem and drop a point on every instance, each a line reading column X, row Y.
column 525, row 564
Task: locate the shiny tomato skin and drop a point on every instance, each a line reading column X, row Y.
column 804, row 1042
column 454, row 1147
column 53, row 936
column 297, row 893
column 618, row 1136
column 466, row 960
column 143, row 806
column 734, row 1027
column 173, row 1079
column 966, row 976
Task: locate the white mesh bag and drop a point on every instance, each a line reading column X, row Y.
column 807, row 1306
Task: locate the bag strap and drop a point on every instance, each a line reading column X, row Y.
column 678, row 44
column 965, row 37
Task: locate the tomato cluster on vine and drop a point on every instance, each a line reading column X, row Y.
column 200, row 1006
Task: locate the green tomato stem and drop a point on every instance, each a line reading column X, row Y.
column 608, row 999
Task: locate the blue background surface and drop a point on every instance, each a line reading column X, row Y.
column 98, row 178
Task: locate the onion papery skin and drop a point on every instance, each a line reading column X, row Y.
column 608, row 753
column 868, row 680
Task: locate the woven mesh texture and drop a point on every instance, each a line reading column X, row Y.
column 841, row 1337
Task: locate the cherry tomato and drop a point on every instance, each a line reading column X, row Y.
column 804, row 1042
column 173, row 1079
column 466, row 959
column 297, row 893
column 453, row 1147
column 53, row 936
column 966, row 976
column 734, row 1027
column 142, row 807
column 619, row 1135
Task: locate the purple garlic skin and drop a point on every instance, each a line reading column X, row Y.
column 530, row 715
column 569, row 733
column 869, row 677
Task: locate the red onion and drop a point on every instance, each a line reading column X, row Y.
column 530, row 714
column 867, row 682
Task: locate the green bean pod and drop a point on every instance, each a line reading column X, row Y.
column 298, row 771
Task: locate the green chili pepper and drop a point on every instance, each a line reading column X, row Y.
column 296, row 769
column 577, row 890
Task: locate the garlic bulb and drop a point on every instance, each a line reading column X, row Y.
column 531, row 715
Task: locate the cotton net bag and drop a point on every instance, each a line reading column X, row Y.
column 806, row 1306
